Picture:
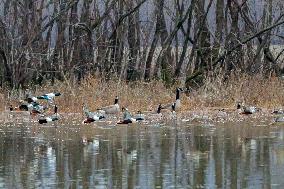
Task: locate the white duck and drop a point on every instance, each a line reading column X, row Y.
column 91, row 116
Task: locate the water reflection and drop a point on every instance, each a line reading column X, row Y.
column 239, row 155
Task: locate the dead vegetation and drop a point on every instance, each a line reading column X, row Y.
column 145, row 96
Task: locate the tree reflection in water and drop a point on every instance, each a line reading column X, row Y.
column 185, row 156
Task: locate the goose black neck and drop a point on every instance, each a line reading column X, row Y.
column 55, row 109
column 116, row 101
column 174, row 107
column 177, row 94
column 159, row 109
column 238, row 106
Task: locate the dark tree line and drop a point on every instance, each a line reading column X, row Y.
column 171, row 40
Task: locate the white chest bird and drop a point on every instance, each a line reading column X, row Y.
column 91, row 116
column 49, row 96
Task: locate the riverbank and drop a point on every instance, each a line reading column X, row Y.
column 206, row 117
column 145, row 96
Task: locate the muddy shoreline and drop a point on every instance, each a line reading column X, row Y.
column 207, row 116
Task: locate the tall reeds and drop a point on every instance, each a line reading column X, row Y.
column 146, row 96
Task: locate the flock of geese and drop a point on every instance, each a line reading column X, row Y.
column 103, row 112
column 32, row 105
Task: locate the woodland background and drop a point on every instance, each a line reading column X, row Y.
column 182, row 41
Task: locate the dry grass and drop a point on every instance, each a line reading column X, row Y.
column 251, row 90
column 143, row 96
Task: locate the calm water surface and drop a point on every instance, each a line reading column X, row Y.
column 236, row 155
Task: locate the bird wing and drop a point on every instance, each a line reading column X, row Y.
column 167, row 106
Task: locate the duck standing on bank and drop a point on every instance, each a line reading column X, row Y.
column 51, row 118
column 112, row 109
column 91, row 116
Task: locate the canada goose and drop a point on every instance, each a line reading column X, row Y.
column 11, row 108
column 112, row 109
column 170, row 108
column 159, row 108
column 127, row 117
column 175, row 105
column 91, row 116
column 48, row 119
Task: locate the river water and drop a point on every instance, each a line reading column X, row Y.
column 70, row 155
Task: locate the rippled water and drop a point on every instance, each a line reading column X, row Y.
column 236, row 155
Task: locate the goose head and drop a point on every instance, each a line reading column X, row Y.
column 116, row 100
column 239, row 105
column 178, row 90
column 159, row 108
column 55, row 109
